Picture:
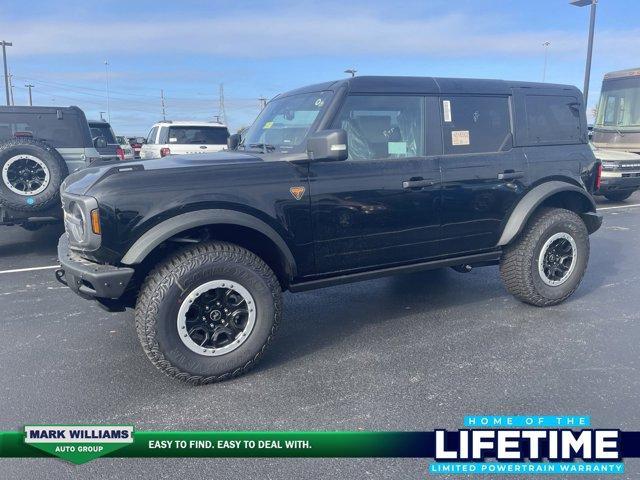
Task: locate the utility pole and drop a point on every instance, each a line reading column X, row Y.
column 221, row 109
column 11, row 89
column 29, row 86
column 106, row 71
column 6, row 73
column 351, row 71
column 592, row 24
column 162, row 103
column 546, row 52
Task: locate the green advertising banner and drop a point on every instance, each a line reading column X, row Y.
column 81, row 443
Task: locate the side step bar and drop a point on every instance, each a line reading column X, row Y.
column 478, row 258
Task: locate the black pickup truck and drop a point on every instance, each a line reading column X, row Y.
column 333, row 183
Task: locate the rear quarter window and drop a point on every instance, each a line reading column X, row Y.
column 66, row 132
column 476, row 124
column 553, row 119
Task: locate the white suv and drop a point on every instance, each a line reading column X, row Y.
column 170, row 138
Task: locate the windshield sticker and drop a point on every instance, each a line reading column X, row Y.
column 319, row 103
column 268, row 125
column 460, row 137
column 446, row 107
column 397, row 148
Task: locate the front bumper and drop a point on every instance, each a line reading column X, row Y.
column 88, row 279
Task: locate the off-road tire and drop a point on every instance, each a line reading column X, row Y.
column 519, row 263
column 166, row 287
column 618, row 196
column 55, row 164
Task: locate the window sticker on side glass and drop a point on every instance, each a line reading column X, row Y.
column 397, row 148
column 460, row 137
column 446, row 108
column 173, row 139
column 267, row 125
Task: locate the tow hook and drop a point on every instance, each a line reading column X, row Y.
column 465, row 268
column 60, row 277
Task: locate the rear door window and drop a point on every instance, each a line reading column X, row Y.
column 186, row 135
column 476, row 124
column 151, row 138
column 65, row 132
column 553, row 119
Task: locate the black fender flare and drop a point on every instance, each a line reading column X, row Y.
column 185, row 221
column 528, row 204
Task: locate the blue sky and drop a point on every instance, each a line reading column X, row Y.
column 261, row 48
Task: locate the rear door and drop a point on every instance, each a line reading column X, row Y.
column 483, row 175
column 380, row 206
column 151, row 149
column 183, row 139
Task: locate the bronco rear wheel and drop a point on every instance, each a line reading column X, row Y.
column 208, row 313
column 546, row 263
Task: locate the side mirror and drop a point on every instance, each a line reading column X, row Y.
column 99, row 142
column 233, row 141
column 328, row 146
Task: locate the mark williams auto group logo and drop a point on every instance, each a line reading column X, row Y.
column 527, row 445
column 78, row 444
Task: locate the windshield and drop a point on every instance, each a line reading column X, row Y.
column 285, row 122
column 619, row 105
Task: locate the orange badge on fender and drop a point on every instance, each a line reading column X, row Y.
column 297, row 192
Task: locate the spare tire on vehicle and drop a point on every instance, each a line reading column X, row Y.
column 31, row 174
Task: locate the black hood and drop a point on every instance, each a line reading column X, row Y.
column 80, row 182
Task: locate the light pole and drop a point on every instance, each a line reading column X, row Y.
column 29, row 86
column 102, row 115
column 592, row 24
column 546, row 53
column 351, row 71
column 6, row 73
column 106, row 71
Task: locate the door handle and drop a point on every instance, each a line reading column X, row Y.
column 510, row 175
column 417, row 183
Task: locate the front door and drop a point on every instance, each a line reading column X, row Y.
column 483, row 176
column 381, row 206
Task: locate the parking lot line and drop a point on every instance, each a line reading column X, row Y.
column 18, row 270
column 620, row 206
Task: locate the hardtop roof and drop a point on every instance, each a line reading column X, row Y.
column 428, row 85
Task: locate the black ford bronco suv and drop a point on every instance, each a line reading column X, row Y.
column 334, row 183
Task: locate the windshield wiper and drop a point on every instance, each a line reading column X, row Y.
column 265, row 147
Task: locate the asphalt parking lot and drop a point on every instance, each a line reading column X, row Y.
column 412, row 352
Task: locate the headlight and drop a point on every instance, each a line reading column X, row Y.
column 81, row 215
column 75, row 223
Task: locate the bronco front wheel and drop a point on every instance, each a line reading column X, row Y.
column 208, row 313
